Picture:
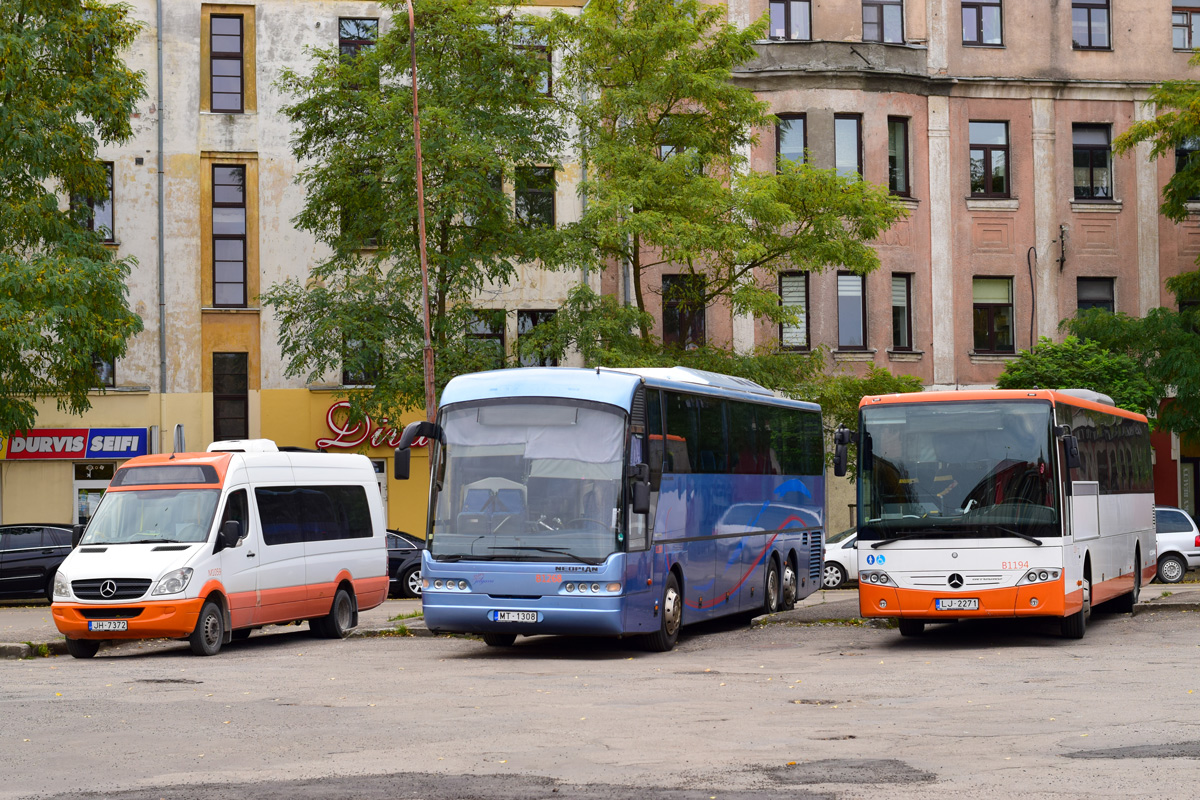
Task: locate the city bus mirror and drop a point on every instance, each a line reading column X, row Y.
column 641, row 497
column 839, row 458
column 77, row 534
column 842, row 435
column 403, row 455
column 1070, row 452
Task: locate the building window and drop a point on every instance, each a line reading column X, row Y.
column 902, row 312
column 852, row 312
column 1096, row 293
column 485, row 335
column 229, row 236
column 993, row 309
column 883, row 21
column 793, row 294
column 791, row 138
column 535, row 196
column 526, row 322
column 898, row 156
column 1185, row 154
column 847, row 144
column 1093, row 162
column 105, row 370
column 683, row 311
column 1089, row 25
column 791, row 19
column 989, row 158
column 226, row 64
column 981, row 23
column 361, row 366
column 537, row 49
column 231, row 408
column 100, row 212
column 1185, row 28
column 356, row 36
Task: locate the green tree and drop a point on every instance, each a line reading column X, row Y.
column 664, row 133
column 486, row 122
column 1081, row 364
column 63, row 90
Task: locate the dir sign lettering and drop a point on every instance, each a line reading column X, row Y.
column 76, row 444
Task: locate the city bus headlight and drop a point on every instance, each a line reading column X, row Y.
column 173, row 582
column 62, row 587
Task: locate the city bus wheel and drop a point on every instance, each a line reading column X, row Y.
column 911, row 627
column 789, row 587
column 670, row 618
column 499, row 639
column 1074, row 626
column 1171, row 569
column 1126, row 602
column 771, row 592
column 82, row 648
column 206, row 640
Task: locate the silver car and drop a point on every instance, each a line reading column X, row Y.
column 1178, row 543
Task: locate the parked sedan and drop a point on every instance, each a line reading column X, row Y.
column 1178, row 543
column 404, row 564
column 841, row 559
column 29, row 557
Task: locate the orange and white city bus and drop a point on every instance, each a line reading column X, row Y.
column 1004, row 503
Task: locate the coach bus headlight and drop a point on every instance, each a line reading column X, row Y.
column 462, row 584
column 437, row 584
column 570, row 587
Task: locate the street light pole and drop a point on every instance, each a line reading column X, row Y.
column 430, row 409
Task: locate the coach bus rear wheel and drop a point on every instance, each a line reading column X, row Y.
column 499, row 639
column 670, row 619
column 789, row 586
column 771, row 594
column 911, row 627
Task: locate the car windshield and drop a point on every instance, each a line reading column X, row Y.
column 961, row 469
column 528, row 481
column 153, row 515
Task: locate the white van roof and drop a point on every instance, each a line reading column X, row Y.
column 243, row 446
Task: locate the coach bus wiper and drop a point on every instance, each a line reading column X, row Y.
column 556, row 550
column 1024, row 536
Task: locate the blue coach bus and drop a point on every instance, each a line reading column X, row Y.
column 616, row 502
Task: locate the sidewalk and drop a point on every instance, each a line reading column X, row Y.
column 27, row 630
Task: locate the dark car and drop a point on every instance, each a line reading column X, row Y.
column 404, row 564
column 29, row 557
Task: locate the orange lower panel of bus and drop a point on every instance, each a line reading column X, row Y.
column 1048, row 599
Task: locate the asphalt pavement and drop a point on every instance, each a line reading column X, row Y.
column 28, row 630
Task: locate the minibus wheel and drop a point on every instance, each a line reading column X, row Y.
column 210, row 631
column 82, row 648
column 337, row 623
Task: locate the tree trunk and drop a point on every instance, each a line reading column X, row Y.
column 636, row 268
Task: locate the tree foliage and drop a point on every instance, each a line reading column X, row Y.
column 484, row 116
column 664, row 134
column 1076, row 363
column 63, row 90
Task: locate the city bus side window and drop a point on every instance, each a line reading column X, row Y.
column 237, row 509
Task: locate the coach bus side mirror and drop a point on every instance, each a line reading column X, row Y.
column 640, row 486
column 413, row 431
column 1070, row 451
column 77, row 534
column 841, row 440
column 402, row 463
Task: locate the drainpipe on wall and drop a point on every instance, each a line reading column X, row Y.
column 162, row 289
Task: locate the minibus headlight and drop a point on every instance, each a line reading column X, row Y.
column 173, row 582
column 62, row 587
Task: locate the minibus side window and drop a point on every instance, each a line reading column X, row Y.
column 237, row 508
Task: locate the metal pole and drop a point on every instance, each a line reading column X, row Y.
column 430, row 409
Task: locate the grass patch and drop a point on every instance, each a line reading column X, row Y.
column 1167, row 594
column 418, row 614
column 399, row 631
column 38, row 650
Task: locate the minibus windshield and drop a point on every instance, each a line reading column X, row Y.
column 958, row 469
column 528, row 481
column 153, row 516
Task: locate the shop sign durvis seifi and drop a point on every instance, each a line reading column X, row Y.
column 75, row 443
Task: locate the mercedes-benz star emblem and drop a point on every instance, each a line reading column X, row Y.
column 108, row 588
column 955, row 581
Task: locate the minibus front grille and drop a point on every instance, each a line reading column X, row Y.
column 109, row 613
column 120, row 588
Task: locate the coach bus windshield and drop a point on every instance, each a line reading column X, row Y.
column 959, row 469
column 533, row 480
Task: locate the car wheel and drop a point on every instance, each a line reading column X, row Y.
column 82, row 648
column 834, row 575
column 670, row 619
column 209, row 635
column 771, row 590
column 410, row 582
column 499, row 639
column 340, row 619
column 911, row 627
column 1171, row 569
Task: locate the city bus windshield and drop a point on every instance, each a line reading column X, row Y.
column 533, row 480
column 957, row 469
column 153, row 515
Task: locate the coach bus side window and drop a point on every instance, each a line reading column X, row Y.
column 657, row 443
column 710, row 415
column 681, row 435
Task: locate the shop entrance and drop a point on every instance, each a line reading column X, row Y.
column 91, row 479
column 380, row 467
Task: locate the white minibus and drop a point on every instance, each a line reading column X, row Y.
column 210, row 546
